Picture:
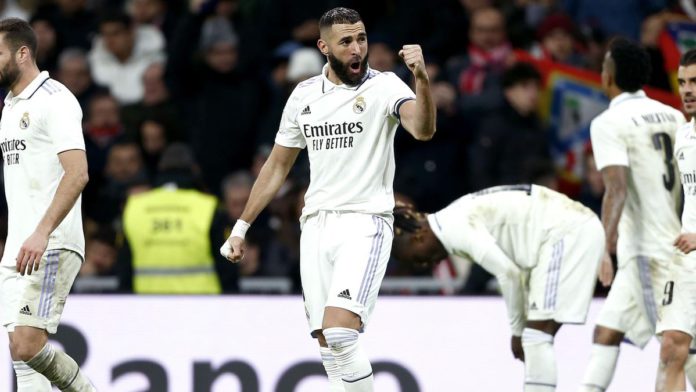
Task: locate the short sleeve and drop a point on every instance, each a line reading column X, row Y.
column 289, row 132
column 607, row 144
column 64, row 123
column 397, row 93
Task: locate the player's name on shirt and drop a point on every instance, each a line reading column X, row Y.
column 10, row 150
column 328, row 136
column 655, row 118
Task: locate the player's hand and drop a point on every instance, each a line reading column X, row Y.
column 686, row 242
column 29, row 257
column 606, row 270
column 233, row 249
column 516, row 345
column 413, row 57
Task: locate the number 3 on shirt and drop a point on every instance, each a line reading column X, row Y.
column 662, row 141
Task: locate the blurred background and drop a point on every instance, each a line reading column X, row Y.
column 184, row 98
column 188, row 95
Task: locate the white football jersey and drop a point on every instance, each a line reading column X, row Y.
column 516, row 218
column 42, row 121
column 349, row 134
column 685, row 154
column 638, row 132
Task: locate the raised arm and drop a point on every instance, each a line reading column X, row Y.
column 418, row 116
column 271, row 178
column 72, row 183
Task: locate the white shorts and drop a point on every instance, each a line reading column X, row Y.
column 343, row 258
column 631, row 306
column 37, row 300
column 562, row 283
column 678, row 310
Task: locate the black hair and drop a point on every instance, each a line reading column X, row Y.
column 339, row 15
column 520, row 73
column 115, row 16
column 406, row 219
column 18, row 33
column 688, row 58
column 631, row 64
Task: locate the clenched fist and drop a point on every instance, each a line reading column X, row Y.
column 413, row 57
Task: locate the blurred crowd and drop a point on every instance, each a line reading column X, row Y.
column 189, row 94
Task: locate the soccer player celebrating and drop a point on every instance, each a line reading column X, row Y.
column 677, row 321
column 632, row 143
column 346, row 118
column 518, row 233
column 45, row 170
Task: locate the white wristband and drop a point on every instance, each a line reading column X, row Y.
column 240, row 228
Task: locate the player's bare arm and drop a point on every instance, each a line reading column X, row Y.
column 418, row 117
column 612, row 205
column 686, row 242
column 271, row 178
column 74, row 163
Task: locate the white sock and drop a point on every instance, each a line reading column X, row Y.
column 600, row 370
column 28, row 380
column 61, row 370
column 356, row 371
column 539, row 361
column 332, row 370
column 690, row 369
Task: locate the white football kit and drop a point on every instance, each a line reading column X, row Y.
column 42, row 121
column 638, row 133
column 543, row 248
column 679, row 301
column 347, row 218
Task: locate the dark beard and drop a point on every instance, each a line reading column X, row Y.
column 341, row 71
column 9, row 74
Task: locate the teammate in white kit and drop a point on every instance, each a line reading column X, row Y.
column 632, row 142
column 45, row 170
column 346, row 117
column 543, row 248
column 677, row 321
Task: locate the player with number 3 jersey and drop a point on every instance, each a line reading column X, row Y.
column 632, row 143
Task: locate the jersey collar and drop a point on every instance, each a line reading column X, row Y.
column 327, row 85
column 30, row 89
column 626, row 96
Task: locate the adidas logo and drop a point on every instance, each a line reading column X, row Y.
column 533, row 307
column 25, row 310
column 306, row 111
column 681, row 156
column 344, row 294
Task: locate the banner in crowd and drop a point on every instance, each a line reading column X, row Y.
column 262, row 344
column 571, row 99
column 675, row 39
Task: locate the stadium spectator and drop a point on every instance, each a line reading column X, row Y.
column 103, row 128
column 121, row 54
column 74, row 22
column 100, row 254
column 156, row 13
column 156, row 103
column 558, row 41
column 47, row 45
column 153, row 139
column 171, row 241
column 476, row 74
column 508, row 141
column 73, row 71
column 614, row 17
column 224, row 104
column 10, row 9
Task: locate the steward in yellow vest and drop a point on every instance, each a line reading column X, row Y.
column 168, row 230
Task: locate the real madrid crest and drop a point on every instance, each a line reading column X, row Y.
column 24, row 121
column 359, row 106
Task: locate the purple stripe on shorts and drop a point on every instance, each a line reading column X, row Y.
column 44, row 285
column 375, row 263
column 371, row 258
column 52, row 271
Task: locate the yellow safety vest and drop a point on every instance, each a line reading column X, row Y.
column 168, row 232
